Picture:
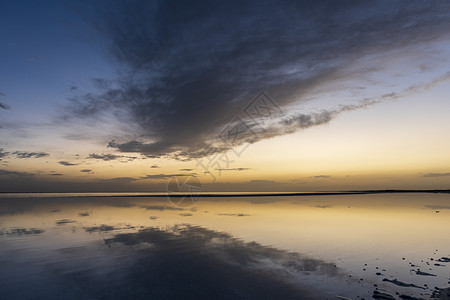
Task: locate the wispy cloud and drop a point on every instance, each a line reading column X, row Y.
column 120, row 180
column 436, row 175
column 15, row 174
column 3, row 153
column 166, row 176
column 234, row 169
column 4, row 106
column 105, row 157
column 66, row 163
column 320, row 177
column 24, row 154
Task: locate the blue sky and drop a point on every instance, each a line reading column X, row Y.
column 99, row 94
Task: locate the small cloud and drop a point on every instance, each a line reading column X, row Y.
column 323, row 206
column 15, row 174
column 436, row 175
column 23, row 231
column 321, row 177
column 66, row 163
column 105, row 157
column 187, row 170
column 86, row 171
column 73, row 87
column 235, row 215
column 435, row 207
column 3, row 153
column 110, row 157
column 263, row 181
column 4, row 106
column 24, row 154
column 35, row 58
column 185, row 214
column 2, row 94
column 56, row 174
column 161, row 207
column 64, row 221
column 234, row 169
column 100, row 228
column 83, row 214
column 166, row 176
column 154, row 167
column 120, row 180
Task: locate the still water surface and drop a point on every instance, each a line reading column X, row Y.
column 98, row 246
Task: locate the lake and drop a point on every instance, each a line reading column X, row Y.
column 115, row 246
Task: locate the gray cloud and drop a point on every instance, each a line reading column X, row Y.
column 3, row 154
column 166, row 176
column 24, row 154
column 154, row 167
column 4, row 106
column 120, row 180
column 66, row 163
column 182, row 90
column 56, row 174
column 105, row 157
column 15, row 174
column 321, row 177
column 86, row 171
column 161, row 207
column 234, row 169
column 436, row 175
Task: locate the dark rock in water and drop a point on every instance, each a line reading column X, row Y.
column 444, row 259
column 418, row 272
column 400, row 283
column 379, row 295
column 442, row 294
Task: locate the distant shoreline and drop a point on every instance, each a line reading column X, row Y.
column 226, row 195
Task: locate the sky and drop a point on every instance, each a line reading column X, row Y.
column 235, row 95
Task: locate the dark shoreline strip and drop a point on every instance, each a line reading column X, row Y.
column 210, row 195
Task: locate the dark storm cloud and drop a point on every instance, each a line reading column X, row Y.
column 193, row 67
column 436, row 175
column 24, row 154
column 66, row 163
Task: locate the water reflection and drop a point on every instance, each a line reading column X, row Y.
column 313, row 247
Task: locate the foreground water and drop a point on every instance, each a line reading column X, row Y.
column 387, row 246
